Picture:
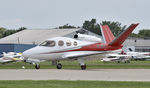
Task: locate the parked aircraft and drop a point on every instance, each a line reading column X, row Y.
column 10, row 57
column 117, row 58
column 138, row 55
column 61, row 48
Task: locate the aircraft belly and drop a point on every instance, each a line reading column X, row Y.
column 84, row 55
column 53, row 56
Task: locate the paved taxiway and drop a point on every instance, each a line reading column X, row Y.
column 95, row 74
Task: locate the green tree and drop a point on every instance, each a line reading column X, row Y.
column 136, row 35
column 66, row 26
column 5, row 32
column 2, row 31
column 9, row 32
column 92, row 26
column 22, row 28
column 144, row 32
column 115, row 27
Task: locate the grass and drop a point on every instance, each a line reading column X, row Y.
column 72, row 84
column 94, row 64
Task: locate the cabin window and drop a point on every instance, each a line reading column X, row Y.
column 75, row 43
column 60, row 43
column 68, row 43
column 48, row 43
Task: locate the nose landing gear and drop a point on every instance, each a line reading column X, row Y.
column 59, row 66
column 37, row 66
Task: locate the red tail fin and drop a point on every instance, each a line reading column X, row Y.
column 119, row 40
column 107, row 34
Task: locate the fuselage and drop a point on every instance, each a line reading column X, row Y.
column 62, row 48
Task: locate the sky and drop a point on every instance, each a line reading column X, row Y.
column 34, row 14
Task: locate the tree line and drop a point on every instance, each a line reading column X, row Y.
column 5, row 32
column 116, row 28
column 90, row 25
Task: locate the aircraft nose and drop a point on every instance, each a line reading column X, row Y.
column 30, row 52
column 26, row 54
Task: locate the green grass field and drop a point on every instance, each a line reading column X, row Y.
column 94, row 64
column 72, row 84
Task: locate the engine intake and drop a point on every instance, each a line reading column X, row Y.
column 89, row 38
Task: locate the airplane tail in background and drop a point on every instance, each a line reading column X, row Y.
column 107, row 34
column 110, row 39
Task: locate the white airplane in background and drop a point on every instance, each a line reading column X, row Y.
column 10, row 57
column 138, row 55
column 117, row 58
column 61, row 48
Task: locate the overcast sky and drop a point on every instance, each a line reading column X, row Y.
column 53, row 13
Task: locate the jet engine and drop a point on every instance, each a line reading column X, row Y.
column 89, row 38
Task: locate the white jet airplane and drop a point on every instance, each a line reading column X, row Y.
column 117, row 58
column 10, row 57
column 61, row 48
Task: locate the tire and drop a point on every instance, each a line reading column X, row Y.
column 83, row 67
column 59, row 66
column 37, row 66
column 118, row 61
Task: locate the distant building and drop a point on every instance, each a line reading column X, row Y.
column 137, row 45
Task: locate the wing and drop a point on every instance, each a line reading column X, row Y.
column 5, row 61
column 76, row 54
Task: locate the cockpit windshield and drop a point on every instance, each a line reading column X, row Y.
column 48, row 43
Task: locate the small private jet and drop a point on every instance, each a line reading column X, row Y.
column 82, row 45
column 10, row 57
column 116, row 58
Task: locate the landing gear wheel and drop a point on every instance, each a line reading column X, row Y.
column 118, row 61
column 37, row 66
column 83, row 67
column 59, row 66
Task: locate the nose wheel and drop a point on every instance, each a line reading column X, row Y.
column 37, row 66
column 59, row 66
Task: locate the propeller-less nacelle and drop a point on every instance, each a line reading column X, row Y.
column 87, row 38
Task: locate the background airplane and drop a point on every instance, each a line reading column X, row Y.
column 61, row 48
column 10, row 57
column 138, row 55
column 117, row 58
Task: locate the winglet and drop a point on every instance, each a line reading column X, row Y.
column 119, row 40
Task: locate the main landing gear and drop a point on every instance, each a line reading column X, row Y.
column 37, row 66
column 59, row 66
column 83, row 66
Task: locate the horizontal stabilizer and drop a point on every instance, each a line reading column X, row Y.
column 119, row 40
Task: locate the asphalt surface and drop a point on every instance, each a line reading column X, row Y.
column 95, row 74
